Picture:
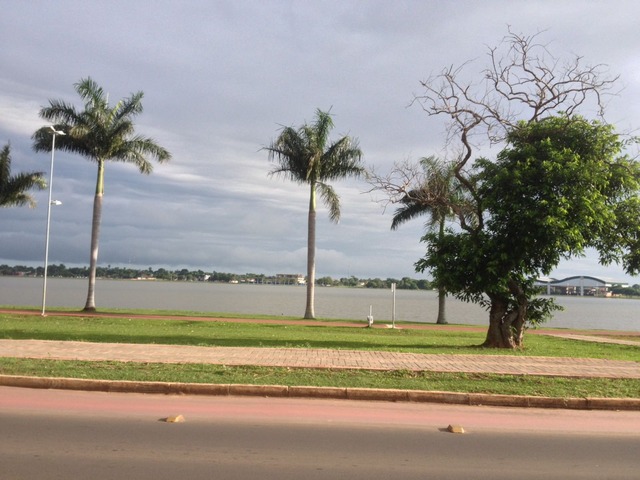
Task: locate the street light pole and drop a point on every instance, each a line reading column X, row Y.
column 46, row 247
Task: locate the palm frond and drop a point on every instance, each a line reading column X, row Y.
column 331, row 199
column 13, row 189
column 137, row 150
column 5, row 164
column 100, row 132
column 303, row 155
column 342, row 159
column 92, row 94
column 127, row 108
column 290, row 152
column 437, row 194
column 408, row 211
column 321, row 128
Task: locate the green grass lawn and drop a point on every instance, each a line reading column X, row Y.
column 230, row 334
column 449, row 340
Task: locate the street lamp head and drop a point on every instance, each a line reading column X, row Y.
column 56, row 132
column 56, row 202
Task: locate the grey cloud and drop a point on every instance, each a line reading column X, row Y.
column 220, row 80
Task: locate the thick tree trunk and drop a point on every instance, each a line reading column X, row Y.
column 506, row 325
column 311, row 255
column 442, row 318
column 497, row 313
column 521, row 318
column 90, row 305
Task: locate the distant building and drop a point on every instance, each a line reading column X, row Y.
column 578, row 285
column 290, row 279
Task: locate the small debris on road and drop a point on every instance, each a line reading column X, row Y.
column 455, row 429
column 174, row 419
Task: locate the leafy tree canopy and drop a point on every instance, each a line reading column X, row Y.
column 560, row 185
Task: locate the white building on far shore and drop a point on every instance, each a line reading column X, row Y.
column 578, row 285
column 290, row 279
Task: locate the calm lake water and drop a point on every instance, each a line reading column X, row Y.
column 347, row 303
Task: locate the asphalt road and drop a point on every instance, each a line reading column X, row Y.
column 49, row 434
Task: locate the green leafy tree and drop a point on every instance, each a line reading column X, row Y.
column 560, row 183
column 326, row 281
column 101, row 133
column 305, row 156
column 14, row 189
column 349, row 282
column 376, row 283
column 408, row 284
column 560, row 186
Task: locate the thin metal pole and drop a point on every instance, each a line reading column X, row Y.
column 393, row 310
column 46, row 247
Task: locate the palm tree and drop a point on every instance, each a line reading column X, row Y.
column 13, row 190
column 304, row 156
column 436, row 195
column 101, row 133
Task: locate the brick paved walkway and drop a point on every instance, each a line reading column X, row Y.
column 319, row 358
column 594, row 338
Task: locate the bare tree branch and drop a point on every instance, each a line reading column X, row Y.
column 523, row 82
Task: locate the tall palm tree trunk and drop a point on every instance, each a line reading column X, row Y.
column 90, row 306
column 311, row 254
column 442, row 294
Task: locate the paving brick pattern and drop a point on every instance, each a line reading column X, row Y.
column 321, row 358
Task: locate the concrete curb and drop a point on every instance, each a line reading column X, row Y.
column 336, row 393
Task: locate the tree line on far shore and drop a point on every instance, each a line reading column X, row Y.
column 186, row 275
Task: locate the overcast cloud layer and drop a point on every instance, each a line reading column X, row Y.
column 220, row 78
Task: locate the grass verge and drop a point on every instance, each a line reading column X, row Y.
column 444, row 340
column 220, row 374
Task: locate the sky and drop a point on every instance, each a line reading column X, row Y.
column 221, row 79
